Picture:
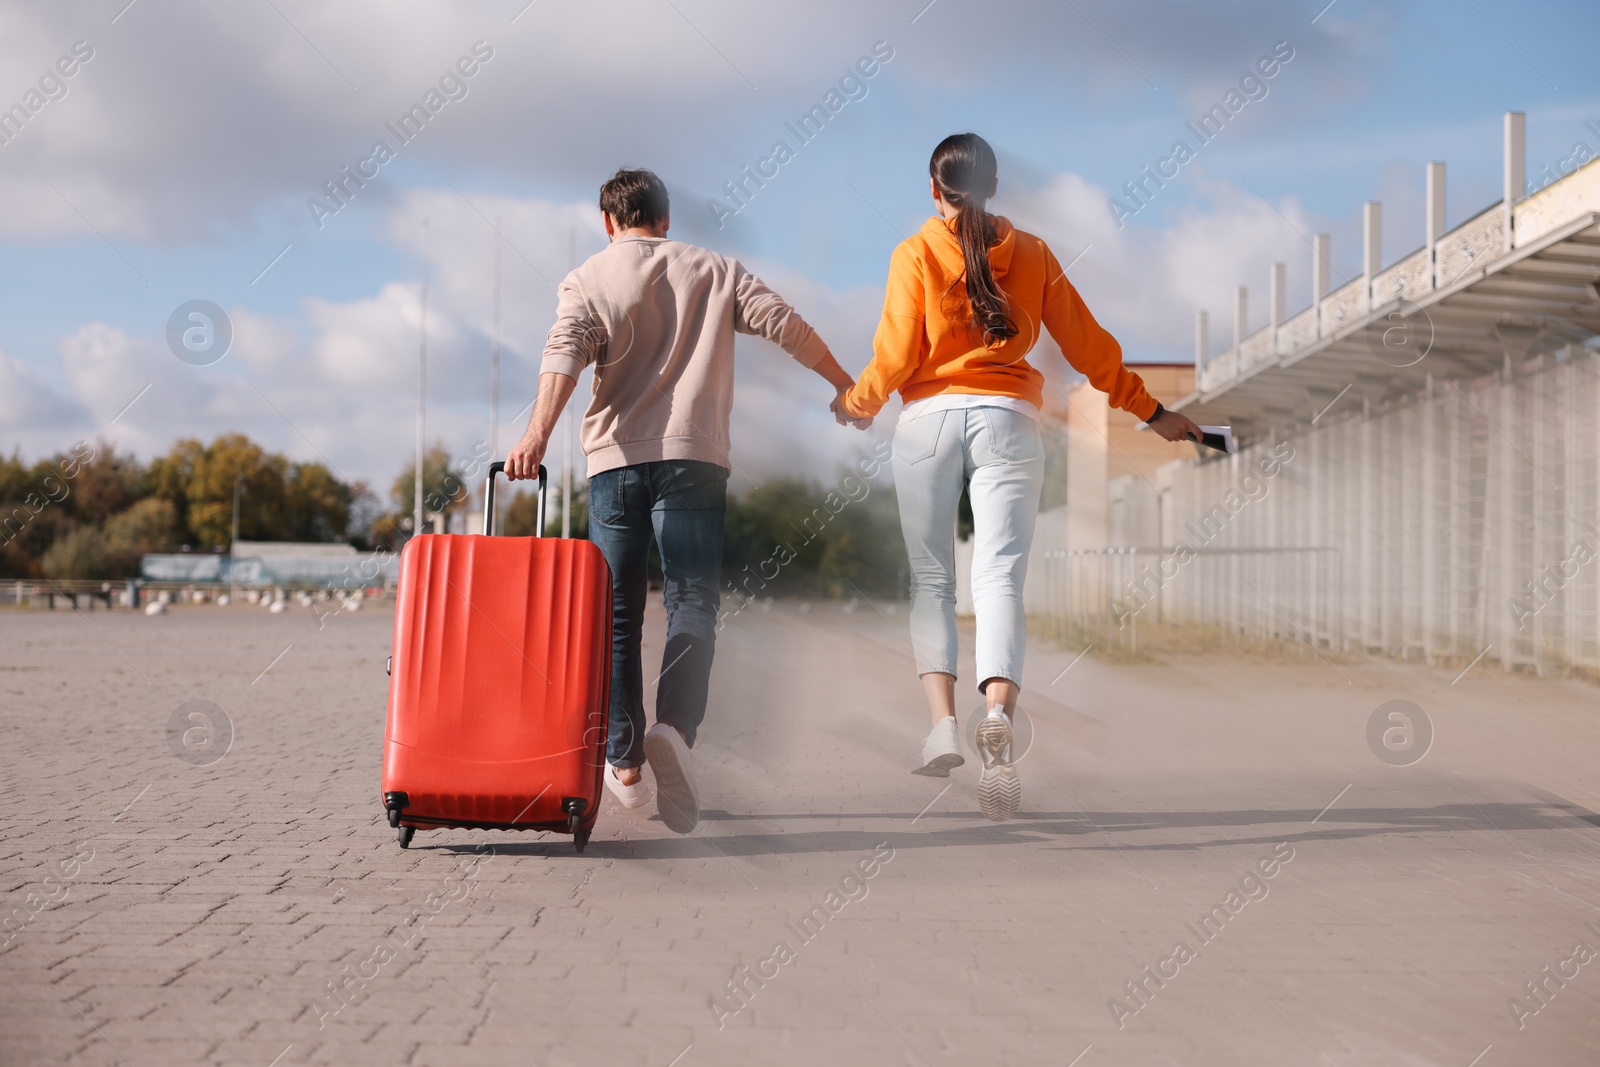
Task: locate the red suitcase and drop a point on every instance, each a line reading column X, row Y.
column 499, row 682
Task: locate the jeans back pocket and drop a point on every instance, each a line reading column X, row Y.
column 917, row 438
column 1011, row 436
column 607, row 496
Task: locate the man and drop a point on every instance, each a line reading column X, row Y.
column 656, row 319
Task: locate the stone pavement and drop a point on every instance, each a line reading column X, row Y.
column 1211, row 866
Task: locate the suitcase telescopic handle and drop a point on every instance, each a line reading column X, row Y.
column 498, row 467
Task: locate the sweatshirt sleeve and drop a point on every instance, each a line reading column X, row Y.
column 574, row 342
column 901, row 342
column 1091, row 350
column 760, row 311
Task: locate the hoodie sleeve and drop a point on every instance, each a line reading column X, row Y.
column 576, row 338
column 901, row 343
column 1091, row 350
column 760, row 311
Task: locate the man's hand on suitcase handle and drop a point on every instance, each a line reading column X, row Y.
column 522, row 462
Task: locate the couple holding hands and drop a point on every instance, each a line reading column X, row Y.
column 967, row 298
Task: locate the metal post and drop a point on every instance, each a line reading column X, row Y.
column 1430, row 530
column 568, row 420
column 1241, row 315
column 494, row 354
column 1371, row 244
column 1275, row 302
column 1202, row 342
column 1516, row 166
column 233, row 588
column 494, row 376
column 1435, row 213
column 1319, row 275
column 422, row 386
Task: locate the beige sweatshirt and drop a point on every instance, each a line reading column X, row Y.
column 656, row 319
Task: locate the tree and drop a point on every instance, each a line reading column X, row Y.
column 443, row 490
column 151, row 525
column 36, row 508
column 171, row 474
column 13, row 478
column 520, row 515
column 318, row 504
column 80, row 554
column 794, row 536
column 263, row 515
column 366, row 511
column 99, row 482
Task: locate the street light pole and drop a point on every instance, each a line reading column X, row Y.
column 422, row 388
column 567, row 420
column 494, row 375
column 233, row 586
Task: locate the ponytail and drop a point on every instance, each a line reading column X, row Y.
column 963, row 168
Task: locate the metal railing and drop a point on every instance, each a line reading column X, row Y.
column 88, row 594
column 1467, row 518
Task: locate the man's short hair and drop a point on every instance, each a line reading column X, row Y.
column 634, row 198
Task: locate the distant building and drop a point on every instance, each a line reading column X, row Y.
column 1111, row 461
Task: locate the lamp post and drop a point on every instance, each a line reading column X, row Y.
column 422, row 387
column 233, row 587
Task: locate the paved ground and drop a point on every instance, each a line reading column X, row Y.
column 202, row 914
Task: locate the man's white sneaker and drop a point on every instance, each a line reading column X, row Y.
column 941, row 751
column 999, row 790
column 636, row 795
column 677, row 801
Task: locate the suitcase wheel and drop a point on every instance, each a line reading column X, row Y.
column 580, row 839
column 404, row 835
column 574, row 807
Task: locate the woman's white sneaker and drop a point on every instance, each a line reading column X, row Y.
column 999, row 789
column 636, row 795
column 941, row 751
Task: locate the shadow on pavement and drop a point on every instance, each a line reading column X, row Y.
column 1028, row 828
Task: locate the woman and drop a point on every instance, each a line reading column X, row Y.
column 965, row 302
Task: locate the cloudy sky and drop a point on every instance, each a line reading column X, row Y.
column 185, row 157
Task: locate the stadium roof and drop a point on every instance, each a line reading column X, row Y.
column 1503, row 286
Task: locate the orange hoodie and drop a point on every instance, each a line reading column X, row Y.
column 926, row 344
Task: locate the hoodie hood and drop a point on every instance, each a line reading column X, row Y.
column 940, row 235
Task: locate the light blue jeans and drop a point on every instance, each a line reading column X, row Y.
column 999, row 455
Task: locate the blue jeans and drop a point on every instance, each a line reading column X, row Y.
column 681, row 502
column 999, row 456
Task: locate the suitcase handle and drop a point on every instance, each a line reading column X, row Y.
column 499, row 467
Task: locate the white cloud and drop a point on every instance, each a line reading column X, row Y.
column 341, row 384
column 1144, row 283
column 28, row 403
column 195, row 118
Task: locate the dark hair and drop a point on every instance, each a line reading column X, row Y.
column 963, row 170
column 634, row 198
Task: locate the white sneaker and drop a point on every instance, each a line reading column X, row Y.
column 677, row 801
column 636, row 795
column 999, row 790
column 941, row 751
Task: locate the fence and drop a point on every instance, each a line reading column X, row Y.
column 1465, row 519
column 87, row 595
column 1250, row 594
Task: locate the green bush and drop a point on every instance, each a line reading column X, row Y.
column 151, row 525
column 80, row 554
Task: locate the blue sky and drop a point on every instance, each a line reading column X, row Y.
column 180, row 161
